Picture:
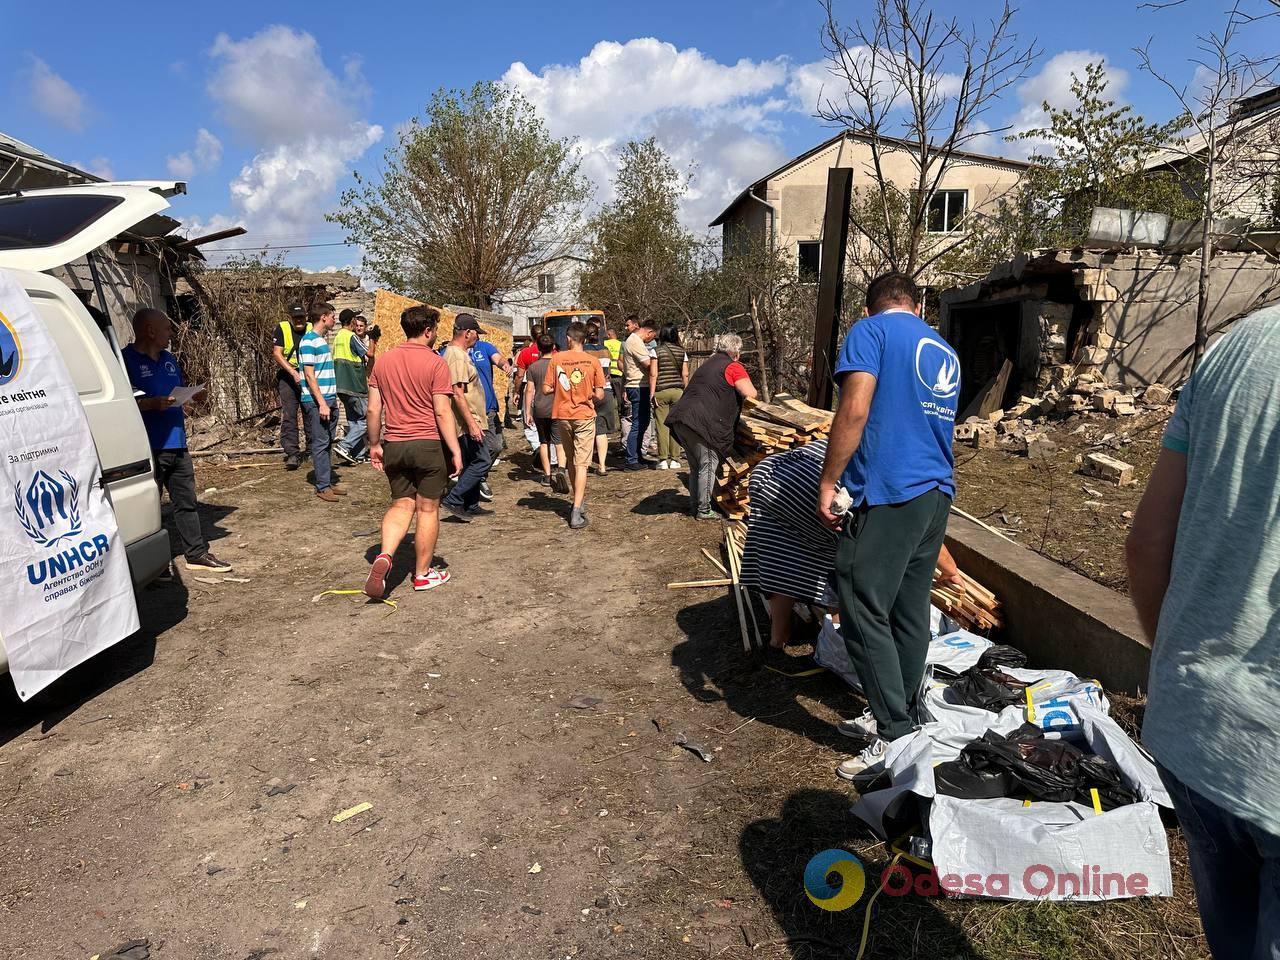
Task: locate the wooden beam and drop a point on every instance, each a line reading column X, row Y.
column 826, row 328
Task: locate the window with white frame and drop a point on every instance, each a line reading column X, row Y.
column 946, row 211
column 808, row 257
column 546, row 283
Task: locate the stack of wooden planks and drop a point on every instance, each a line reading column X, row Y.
column 972, row 605
column 763, row 429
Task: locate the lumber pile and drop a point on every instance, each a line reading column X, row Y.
column 764, row 429
column 972, row 605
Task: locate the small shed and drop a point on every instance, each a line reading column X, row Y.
column 1129, row 316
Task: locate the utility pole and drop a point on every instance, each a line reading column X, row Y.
column 826, row 327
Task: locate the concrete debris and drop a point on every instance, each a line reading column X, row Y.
column 1108, row 468
column 1156, row 395
column 984, row 437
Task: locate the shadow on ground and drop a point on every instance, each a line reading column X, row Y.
column 161, row 606
column 714, row 667
column 775, row 852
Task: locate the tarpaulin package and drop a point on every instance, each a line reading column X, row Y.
column 1042, row 850
column 951, row 650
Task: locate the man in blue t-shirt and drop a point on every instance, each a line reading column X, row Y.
column 486, row 356
column 890, row 449
column 153, row 371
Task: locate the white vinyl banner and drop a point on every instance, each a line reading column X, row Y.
column 65, row 589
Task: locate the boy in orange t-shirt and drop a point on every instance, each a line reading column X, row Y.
column 575, row 379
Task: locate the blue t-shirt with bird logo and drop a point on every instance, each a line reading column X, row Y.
column 906, row 445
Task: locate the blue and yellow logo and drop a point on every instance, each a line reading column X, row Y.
column 817, row 877
column 10, row 352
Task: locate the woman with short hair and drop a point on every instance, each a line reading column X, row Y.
column 705, row 418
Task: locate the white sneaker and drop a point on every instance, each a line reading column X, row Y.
column 662, row 464
column 860, row 728
column 867, row 765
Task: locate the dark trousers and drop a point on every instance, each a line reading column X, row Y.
column 290, row 399
column 641, row 410
column 476, row 461
column 176, row 474
column 320, row 434
column 494, row 438
column 620, row 393
column 885, row 561
column 1235, row 867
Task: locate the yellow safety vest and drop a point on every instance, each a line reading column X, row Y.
column 615, row 349
column 290, row 348
column 342, row 347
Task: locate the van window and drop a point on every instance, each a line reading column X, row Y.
column 82, row 346
column 42, row 221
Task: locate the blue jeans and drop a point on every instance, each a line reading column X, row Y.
column 320, row 435
column 1235, row 867
column 357, row 424
column 476, row 461
column 641, row 410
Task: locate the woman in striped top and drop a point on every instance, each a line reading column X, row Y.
column 790, row 554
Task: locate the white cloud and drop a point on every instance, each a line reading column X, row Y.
column 204, row 156
column 98, row 166
column 1052, row 85
column 723, row 117
column 54, row 97
column 274, row 91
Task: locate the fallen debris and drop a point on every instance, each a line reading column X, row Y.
column 693, row 746
column 583, row 702
column 350, row 812
column 1108, row 468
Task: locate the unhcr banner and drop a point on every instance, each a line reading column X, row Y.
column 65, row 589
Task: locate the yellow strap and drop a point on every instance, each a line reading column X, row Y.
column 1026, row 802
column 352, row 593
column 866, row 923
column 1097, row 801
column 1031, row 706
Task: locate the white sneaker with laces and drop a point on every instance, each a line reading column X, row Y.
column 662, row 464
column 867, row 765
column 860, row 728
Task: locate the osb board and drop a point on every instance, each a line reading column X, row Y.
column 388, row 306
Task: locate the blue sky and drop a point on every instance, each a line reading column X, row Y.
column 265, row 108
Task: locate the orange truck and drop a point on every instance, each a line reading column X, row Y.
column 556, row 322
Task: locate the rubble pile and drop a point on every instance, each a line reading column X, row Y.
column 1023, row 428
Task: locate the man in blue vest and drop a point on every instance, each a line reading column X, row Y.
column 285, row 341
column 890, row 449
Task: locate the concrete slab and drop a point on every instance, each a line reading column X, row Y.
column 1058, row 618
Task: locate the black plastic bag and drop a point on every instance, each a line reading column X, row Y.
column 956, row 778
column 989, row 688
column 1001, row 655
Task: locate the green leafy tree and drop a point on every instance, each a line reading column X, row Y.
column 643, row 260
column 467, row 198
column 1094, row 153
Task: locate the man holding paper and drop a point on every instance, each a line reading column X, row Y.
column 157, row 379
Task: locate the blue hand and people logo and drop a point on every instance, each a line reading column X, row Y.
column 10, row 352
column 817, row 880
column 49, row 507
column 937, row 368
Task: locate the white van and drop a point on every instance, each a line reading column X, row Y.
column 44, row 229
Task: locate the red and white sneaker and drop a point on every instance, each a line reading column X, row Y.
column 431, row 579
column 376, row 585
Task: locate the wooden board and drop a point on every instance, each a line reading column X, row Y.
column 991, row 397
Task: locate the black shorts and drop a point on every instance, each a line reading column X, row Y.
column 546, row 429
column 415, row 467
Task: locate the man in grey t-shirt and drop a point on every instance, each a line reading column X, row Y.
column 1204, row 571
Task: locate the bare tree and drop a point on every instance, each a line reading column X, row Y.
column 467, row 199
column 1227, row 154
column 918, row 85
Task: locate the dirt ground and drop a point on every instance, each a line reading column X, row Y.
column 182, row 787
column 1050, row 506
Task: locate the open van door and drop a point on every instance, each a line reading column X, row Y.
column 44, row 229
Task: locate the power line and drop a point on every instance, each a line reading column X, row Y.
column 282, row 246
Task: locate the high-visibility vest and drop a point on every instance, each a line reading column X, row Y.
column 615, row 349
column 290, row 347
column 348, row 366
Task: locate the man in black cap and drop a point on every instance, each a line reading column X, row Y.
column 285, row 340
column 463, row 501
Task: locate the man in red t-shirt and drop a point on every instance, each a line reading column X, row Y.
column 410, row 426
column 525, row 359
